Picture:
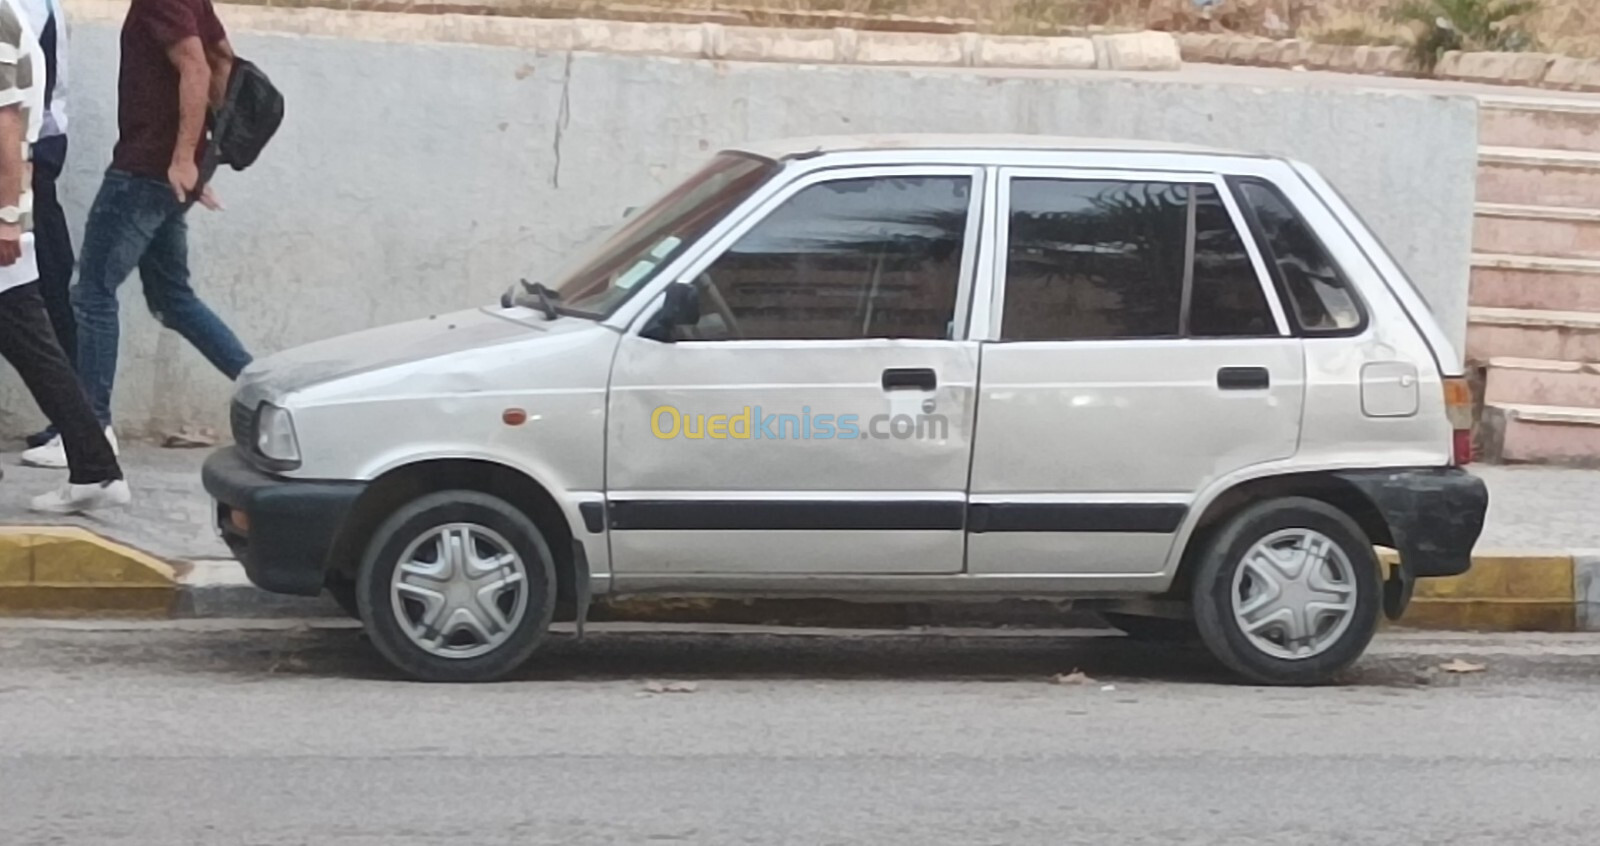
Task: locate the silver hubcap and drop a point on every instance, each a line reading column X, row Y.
column 1295, row 594
column 460, row 591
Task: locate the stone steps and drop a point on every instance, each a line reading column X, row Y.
column 1539, row 125
column 1556, row 231
column 1540, row 434
column 1532, row 333
column 1530, row 177
column 1535, row 316
column 1540, row 382
column 1535, row 282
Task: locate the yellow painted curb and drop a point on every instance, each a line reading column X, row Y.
column 64, row 571
column 1501, row 593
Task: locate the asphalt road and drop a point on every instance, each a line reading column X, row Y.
column 206, row 733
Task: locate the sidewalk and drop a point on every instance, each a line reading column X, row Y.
column 170, row 517
column 1533, row 511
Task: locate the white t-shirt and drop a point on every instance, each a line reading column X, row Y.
column 39, row 13
column 21, row 84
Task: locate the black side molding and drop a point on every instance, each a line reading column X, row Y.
column 1128, row 517
column 857, row 515
column 814, row 515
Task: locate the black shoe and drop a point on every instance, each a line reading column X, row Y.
column 39, row 439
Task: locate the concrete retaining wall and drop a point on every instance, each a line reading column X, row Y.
column 414, row 176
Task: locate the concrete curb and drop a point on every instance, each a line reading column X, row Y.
column 215, row 589
column 1133, row 51
column 1504, row 592
column 1229, row 49
column 1537, row 70
column 65, row 571
column 1513, row 592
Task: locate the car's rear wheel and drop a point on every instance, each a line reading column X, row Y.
column 1287, row 592
column 457, row 586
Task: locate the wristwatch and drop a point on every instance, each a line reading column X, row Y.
column 10, row 215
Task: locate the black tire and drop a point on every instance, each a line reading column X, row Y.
column 343, row 590
column 1223, row 555
column 412, row 522
column 1154, row 629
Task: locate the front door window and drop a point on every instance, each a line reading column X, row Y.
column 853, row 258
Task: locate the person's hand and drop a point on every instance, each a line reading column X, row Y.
column 10, row 244
column 208, row 198
column 183, row 176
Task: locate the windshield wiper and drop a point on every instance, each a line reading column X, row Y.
column 547, row 297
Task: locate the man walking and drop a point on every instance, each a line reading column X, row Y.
column 26, row 339
column 52, row 238
column 175, row 61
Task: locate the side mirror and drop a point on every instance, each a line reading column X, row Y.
column 681, row 307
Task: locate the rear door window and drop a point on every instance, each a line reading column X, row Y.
column 1124, row 260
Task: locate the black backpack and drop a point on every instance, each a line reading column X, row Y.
column 252, row 110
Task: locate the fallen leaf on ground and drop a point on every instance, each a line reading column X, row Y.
column 288, row 664
column 670, row 687
column 1456, row 665
column 190, row 437
column 1074, row 677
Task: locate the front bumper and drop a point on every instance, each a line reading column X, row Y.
column 1435, row 515
column 289, row 525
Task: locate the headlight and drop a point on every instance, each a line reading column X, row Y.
column 275, row 438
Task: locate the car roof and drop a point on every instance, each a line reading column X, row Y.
column 791, row 148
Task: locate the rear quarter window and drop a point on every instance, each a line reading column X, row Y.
column 1321, row 299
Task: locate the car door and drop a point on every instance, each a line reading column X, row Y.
column 1138, row 352
column 818, row 418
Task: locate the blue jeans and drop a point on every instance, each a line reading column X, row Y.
column 137, row 222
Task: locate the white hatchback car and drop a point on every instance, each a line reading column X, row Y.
column 1186, row 386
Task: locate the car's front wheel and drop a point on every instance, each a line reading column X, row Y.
column 457, row 586
column 1287, row 592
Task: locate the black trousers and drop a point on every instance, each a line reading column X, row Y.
column 52, row 243
column 28, row 342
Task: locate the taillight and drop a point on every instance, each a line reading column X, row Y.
column 1458, row 409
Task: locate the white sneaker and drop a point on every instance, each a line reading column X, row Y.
column 53, row 455
column 78, row 499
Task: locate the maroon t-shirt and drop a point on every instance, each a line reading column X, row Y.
column 147, row 86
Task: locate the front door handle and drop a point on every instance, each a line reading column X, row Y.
column 1244, row 379
column 910, row 379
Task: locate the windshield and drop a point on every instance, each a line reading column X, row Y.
column 603, row 278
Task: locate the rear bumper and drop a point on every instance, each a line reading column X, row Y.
column 1435, row 515
column 289, row 527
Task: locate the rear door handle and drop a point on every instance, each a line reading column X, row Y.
column 1244, row 379
column 910, row 379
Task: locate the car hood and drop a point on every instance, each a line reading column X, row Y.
column 395, row 345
